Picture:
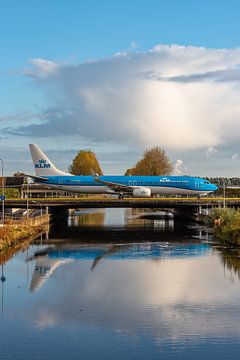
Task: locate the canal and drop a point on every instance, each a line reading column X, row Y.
column 121, row 284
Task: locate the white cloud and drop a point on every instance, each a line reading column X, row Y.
column 41, row 68
column 133, row 45
column 174, row 96
column 178, row 167
column 211, row 150
column 235, row 156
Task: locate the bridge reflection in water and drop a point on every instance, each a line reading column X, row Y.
column 118, row 225
column 115, row 234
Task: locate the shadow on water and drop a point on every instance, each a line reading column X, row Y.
column 121, row 225
column 230, row 259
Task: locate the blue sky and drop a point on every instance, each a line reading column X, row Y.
column 112, row 35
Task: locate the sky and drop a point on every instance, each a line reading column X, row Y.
column 118, row 77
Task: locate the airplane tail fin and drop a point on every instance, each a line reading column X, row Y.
column 43, row 166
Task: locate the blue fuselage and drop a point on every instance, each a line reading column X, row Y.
column 156, row 184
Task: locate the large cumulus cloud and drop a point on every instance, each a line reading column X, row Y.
column 173, row 96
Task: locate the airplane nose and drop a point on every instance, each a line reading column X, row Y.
column 213, row 187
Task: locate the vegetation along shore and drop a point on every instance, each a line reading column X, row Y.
column 14, row 233
column 226, row 223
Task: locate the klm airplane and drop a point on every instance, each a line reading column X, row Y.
column 136, row 186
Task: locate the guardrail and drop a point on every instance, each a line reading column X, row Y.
column 42, row 219
column 71, row 203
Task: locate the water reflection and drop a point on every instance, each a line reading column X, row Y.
column 121, row 299
column 131, row 224
column 171, row 290
column 50, row 258
column 44, row 268
column 3, row 279
column 86, row 217
column 122, row 218
column 230, row 259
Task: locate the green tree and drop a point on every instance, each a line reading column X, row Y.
column 154, row 162
column 85, row 163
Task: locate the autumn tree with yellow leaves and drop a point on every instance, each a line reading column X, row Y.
column 85, row 163
column 155, row 162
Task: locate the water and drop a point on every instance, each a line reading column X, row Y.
column 112, row 296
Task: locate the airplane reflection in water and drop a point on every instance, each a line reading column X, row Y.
column 183, row 303
column 50, row 258
column 94, row 235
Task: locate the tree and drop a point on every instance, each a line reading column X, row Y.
column 154, row 162
column 129, row 172
column 85, row 163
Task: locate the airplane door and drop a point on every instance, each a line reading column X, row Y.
column 60, row 181
column 130, row 183
column 197, row 183
column 134, row 182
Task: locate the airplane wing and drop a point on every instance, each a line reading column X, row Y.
column 36, row 177
column 112, row 250
column 116, row 186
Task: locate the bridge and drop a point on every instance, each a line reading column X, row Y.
column 90, row 202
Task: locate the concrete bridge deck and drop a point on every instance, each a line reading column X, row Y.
column 74, row 203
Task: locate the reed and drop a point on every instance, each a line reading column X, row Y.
column 230, row 259
column 226, row 223
column 13, row 233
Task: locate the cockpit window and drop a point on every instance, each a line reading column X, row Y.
column 206, row 182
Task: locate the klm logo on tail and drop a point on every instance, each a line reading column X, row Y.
column 42, row 164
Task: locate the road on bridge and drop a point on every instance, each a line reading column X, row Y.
column 90, row 202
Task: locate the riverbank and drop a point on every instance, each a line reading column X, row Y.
column 12, row 234
column 226, row 222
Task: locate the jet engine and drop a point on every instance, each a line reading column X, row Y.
column 142, row 192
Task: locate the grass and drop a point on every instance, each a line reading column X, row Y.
column 226, row 223
column 12, row 233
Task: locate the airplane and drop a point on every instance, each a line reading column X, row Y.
column 136, row 186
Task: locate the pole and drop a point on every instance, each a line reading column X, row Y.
column 27, row 198
column 3, row 279
column 3, row 192
column 224, row 195
column 39, row 204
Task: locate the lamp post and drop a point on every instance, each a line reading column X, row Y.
column 2, row 191
column 26, row 195
column 224, row 194
column 38, row 203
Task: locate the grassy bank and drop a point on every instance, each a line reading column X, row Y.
column 15, row 233
column 226, row 223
